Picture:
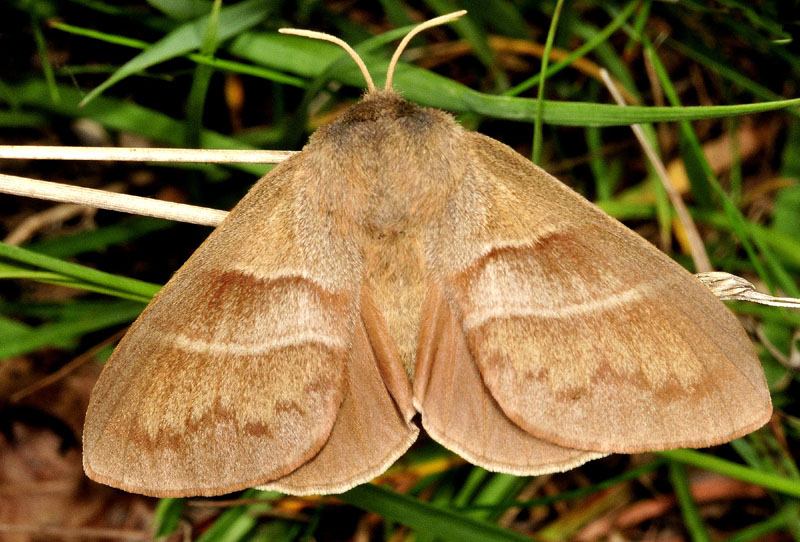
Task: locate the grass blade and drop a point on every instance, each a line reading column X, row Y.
column 691, row 515
column 766, row 480
column 232, row 21
column 537, row 122
column 81, row 273
column 427, row 518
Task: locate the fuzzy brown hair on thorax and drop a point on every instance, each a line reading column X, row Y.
column 376, row 183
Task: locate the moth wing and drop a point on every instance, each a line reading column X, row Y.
column 586, row 335
column 459, row 412
column 374, row 425
column 234, row 374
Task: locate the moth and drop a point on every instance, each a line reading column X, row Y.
column 402, row 271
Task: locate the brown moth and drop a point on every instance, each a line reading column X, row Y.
column 399, row 248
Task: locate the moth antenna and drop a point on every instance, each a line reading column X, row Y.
column 341, row 43
column 416, row 30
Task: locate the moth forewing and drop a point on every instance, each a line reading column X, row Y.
column 234, row 374
column 585, row 334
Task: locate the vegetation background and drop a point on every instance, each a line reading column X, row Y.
column 201, row 74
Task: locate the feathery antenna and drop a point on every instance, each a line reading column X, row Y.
column 416, row 30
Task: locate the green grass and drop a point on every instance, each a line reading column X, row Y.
column 166, row 71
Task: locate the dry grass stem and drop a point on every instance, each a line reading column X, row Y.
column 701, row 262
column 23, row 186
column 144, row 154
column 732, row 288
column 55, row 215
column 66, row 369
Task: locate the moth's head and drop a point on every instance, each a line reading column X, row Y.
column 384, row 114
column 384, row 128
column 379, row 105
